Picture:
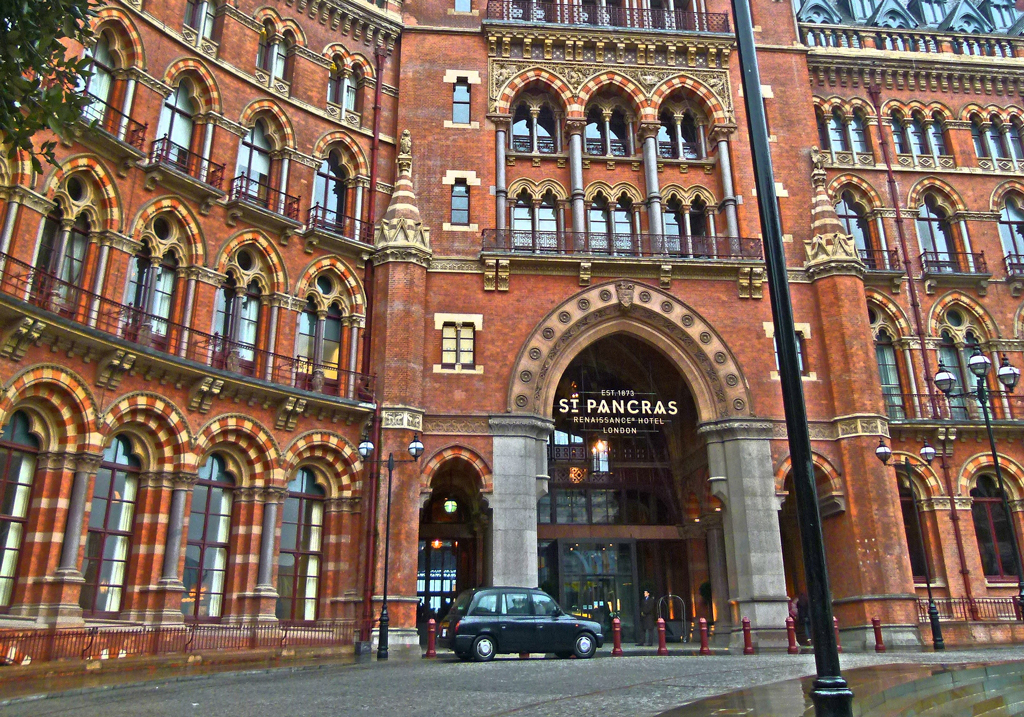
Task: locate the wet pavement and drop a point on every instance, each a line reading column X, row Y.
column 609, row 687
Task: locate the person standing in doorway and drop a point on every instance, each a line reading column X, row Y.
column 647, row 619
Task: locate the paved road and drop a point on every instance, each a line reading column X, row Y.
column 626, row 687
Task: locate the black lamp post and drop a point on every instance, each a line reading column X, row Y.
column 365, row 449
column 884, row 453
column 1008, row 375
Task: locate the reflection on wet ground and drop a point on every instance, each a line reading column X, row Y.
column 883, row 690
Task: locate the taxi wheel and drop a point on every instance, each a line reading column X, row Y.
column 484, row 648
column 585, row 646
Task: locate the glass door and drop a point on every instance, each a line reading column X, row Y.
column 436, row 578
column 598, row 582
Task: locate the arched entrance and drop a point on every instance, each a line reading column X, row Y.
column 452, row 538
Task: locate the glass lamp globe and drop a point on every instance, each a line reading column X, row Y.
column 883, row 452
column 416, row 447
column 979, row 364
column 365, row 448
column 1008, row 374
column 927, row 453
column 945, row 380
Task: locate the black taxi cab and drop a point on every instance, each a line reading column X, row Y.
column 485, row 622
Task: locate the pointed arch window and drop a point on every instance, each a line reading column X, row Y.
column 319, row 343
column 101, row 81
column 522, row 141
column 1013, row 134
column 1011, row 231
column 936, row 236
column 859, row 133
column 108, row 540
column 936, row 135
column 899, row 133
column 151, row 293
column 992, row 530
column 980, row 141
column 329, row 189
column 853, row 217
column 916, row 549
column 690, row 133
column 823, row 139
column 272, row 55
column 674, row 226
column 176, row 129
column 837, row 132
column 619, row 143
column 352, row 86
column 667, row 146
column 206, row 549
column 889, row 375
column 336, row 82
column 996, row 139
column 594, row 132
column 19, row 449
column 61, row 256
column 298, row 572
column 237, row 317
column 918, row 135
column 254, row 165
column 949, row 358
column 200, row 16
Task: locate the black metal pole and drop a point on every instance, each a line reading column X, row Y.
column 933, row 612
column 382, row 638
column 983, row 397
column 831, row 695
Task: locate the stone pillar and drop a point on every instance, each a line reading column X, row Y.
column 575, row 129
column 500, row 186
column 175, row 527
column 266, row 591
column 728, row 193
column 8, row 231
column 649, row 133
column 741, row 476
column 520, row 476
column 718, row 567
column 73, row 528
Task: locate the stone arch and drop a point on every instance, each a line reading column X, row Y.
column 205, row 84
column 196, row 247
column 946, row 191
column 966, row 302
column 630, row 89
column 336, row 49
column 537, row 76
column 353, row 289
column 438, row 459
column 976, row 465
column 280, row 130
column 129, row 50
column 859, row 184
column 1010, row 186
column 281, row 24
column 833, row 481
column 333, row 454
column 613, row 192
column 67, row 395
column 704, row 360
column 714, row 106
column 920, row 473
column 353, row 154
column 168, row 436
column 272, row 260
column 107, row 210
column 892, row 310
column 686, row 195
column 258, row 446
column 537, row 189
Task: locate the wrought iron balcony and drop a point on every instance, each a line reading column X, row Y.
column 115, row 124
column 952, row 262
column 901, row 407
column 662, row 246
column 261, row 194
column 179, row 158
column 669, row 150
column 1015, row 265
column 880, row 259
column 527, row 11
column 328, row 220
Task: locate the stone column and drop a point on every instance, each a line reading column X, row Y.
column 718, row 567
column 500, row 186
column 607, row 118
column 266, row 591
column 649, row 133
column 741, row 476
column 520, row 476
column 73, row 527
column 101, row 274
column 176, row 526
column 575, row 129
column 8, row 232
column 728, row 193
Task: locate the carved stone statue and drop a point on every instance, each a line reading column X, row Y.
column 818, row 159
column 405, row 143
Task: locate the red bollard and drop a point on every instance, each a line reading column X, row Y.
column 791, row 634
column 835, row 625
column 704, row 649
column 431, row 635
column 616, row 637
column 662, row 649
column 748, row 646
column 879, row 643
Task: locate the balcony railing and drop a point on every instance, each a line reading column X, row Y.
column 115, row 123
column 1015, row 264
column 22, row 647
column 164, row 151
column 669, row 150
column 580, row 453
column 638, row 18
column 524, row 145
column 246, row 189
column 330, row 221
column 971, row 610
column 815, row 35
column 880, row 259
column 621, row 245
column 954, row 262
column 918, row 406
column 49, row 293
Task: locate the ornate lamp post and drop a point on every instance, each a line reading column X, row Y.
column 979, row 364
column 884, row 453
column 365, row 449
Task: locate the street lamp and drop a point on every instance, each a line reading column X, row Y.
column 884, row 453
column 979, row 364
column 365, row 449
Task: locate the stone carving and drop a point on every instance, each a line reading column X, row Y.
column 288, row 413
column 203, row 392
column 456, row 425
column 825, row 247
column 23, row 333
column 405, row 143
column 624, row 293
column 113, row 368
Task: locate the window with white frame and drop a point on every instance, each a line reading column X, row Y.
column 458, row 345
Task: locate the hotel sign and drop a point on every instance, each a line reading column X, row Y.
column 617, row 411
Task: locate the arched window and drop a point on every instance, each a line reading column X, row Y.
column 547, row 130
column 175, row 128
column 823, row 139
column 853, row 217
column 254, row 165
column 1011, row 228
column 1013, row 133
column 594, row 133
column 522, row 141
column 899, row 133
column 298, row 571
column 522, row 213
column 535, row 226
column 61, row 255
column 200, row 15
column 18, row 450
column 698, row 218
column 336, row 82
column 837, row 132
column 996, row 139
column 101, row 81
column 352, row 85
column 237, row 323
column 619, row 134
column 936, row 236
column 912, row 527
column 108, row 541
column 151, row 293
column 319, row 344
column 599, row 221
column 889, row 375
column 993, row 531
column 690, row 133
column 674, row 226
column 329, row 188
column 978, row 135
column 859, row 132
column 273, row 53
column 918, row 135
column 667, row 147
column 936, row 136
column 206, row 550
column 949, row 359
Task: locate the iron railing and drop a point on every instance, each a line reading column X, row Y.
column 253, row 191
column 164, row 151
column 49, row 293
column 1015, row 264
column 880, row 259
column 577, row 452
column 971, row 609
column 918, row 406
column 670, row 150
column 22, row 647
column 954, row 262
column 524, row 145
column 115, row 122
column 596, row 148
column 626, row 245
column 586, row 14
column 330, row 221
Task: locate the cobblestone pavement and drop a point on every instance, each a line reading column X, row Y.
column 605, row 686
